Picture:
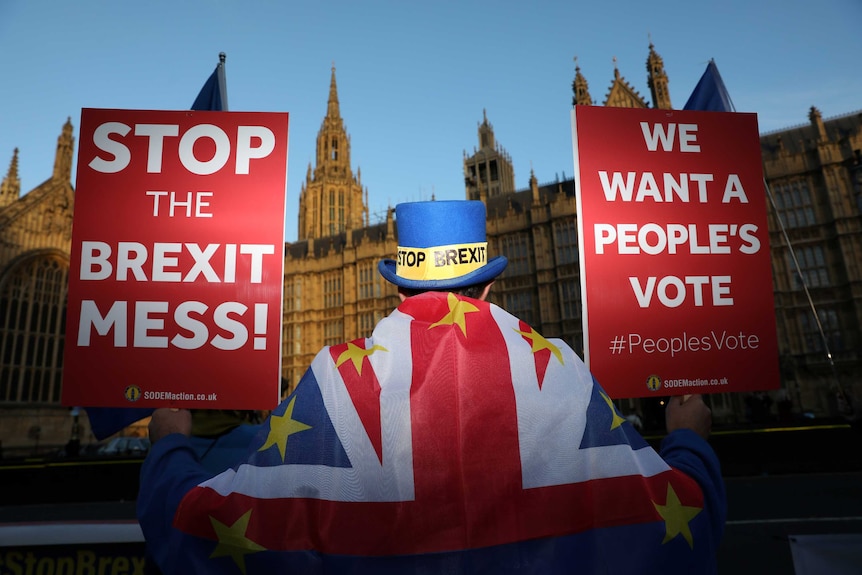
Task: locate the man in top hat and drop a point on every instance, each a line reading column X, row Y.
column 456, row 439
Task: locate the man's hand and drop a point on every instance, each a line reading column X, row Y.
column 167, row 421
column 688, row 412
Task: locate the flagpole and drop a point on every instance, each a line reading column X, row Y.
column 798, row 269
column 222, row 76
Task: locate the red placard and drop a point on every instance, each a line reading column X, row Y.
column 176, row 268
column 675, row 264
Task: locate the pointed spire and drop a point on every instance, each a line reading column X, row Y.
column 10, row 188
column 333, row 193
column 390, row 224
column 657, row 80
column 332, row 109
column 621, row 93
column 63, row 158
column 13, row 166
column 534, row 184
column 580, row 88
column 816, row 119
column 486, row 133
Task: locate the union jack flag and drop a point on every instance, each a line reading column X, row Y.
column 456, row 439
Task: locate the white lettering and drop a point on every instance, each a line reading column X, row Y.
column 252, row 143
column 673, row 187
column 733, row 189
column 187, row 152
column 617, row 185
column 144, row 323
column 654, row 239
column 96, row 261
column 95, row 255
column 90, row 317
column 746, row 234
column 197, row 328
column 191, row 330
column 657, row 135
column 122, row 155
column 687, row 137
column 257, row 251
column 162, row 260
column 131, row 257
column 244, row 149
column 672, row 291
column 235, row 328
column 155, row 150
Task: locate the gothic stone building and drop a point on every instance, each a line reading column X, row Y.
column 333, row 293
column 35, row 238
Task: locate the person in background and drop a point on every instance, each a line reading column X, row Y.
column 456, row 439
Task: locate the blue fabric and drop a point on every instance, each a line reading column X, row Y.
column 440, row 223
column 210, row 96
column 687, row 451
column 106, row 421
column 223, row 452
column 169, row 471
column 710, row 94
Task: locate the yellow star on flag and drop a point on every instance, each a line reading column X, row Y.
column 355, row 354
column 540, row 343
column 617, row 419
column 676, row 517
column 232, row 541
column 457, row 310
column 281, row 427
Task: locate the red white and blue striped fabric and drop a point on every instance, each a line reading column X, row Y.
column 455, row 439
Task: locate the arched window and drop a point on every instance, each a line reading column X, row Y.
column 32, row 329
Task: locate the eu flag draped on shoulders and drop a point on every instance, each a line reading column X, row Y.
column 710, row 94
column 456, row 439
column 106, row 421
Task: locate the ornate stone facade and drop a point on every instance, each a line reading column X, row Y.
column 814, row 174
column 331, row 201
column 35, row 238
column 333, row 293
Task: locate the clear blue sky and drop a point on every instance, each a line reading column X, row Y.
column 413, row 77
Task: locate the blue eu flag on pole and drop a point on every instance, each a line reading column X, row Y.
column 106, row 421
column 710, row 93
column 213, row 96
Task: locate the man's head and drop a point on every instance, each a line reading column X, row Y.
column 441, row 247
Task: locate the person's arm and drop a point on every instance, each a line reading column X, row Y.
column 170, row 470
column 689, row 424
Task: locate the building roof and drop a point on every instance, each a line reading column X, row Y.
column 521, row 200
column 798, row 139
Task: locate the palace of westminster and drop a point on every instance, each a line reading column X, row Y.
column 333, row 292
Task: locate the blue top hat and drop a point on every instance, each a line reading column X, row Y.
column 441, row 245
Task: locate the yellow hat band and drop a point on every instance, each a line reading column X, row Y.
column 440, row 262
